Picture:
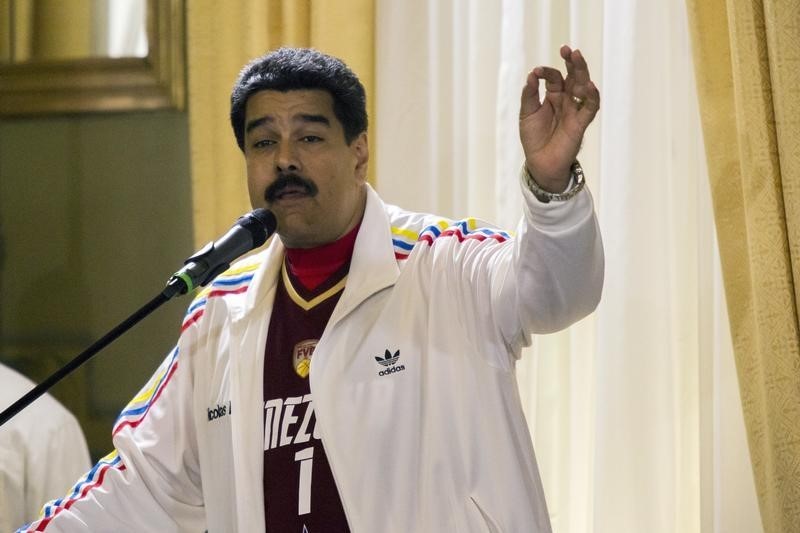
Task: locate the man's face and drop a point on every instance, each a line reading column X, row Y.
column 301, row 168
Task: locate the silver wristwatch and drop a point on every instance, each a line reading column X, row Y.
column 578, row 182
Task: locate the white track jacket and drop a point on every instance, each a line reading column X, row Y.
column 434, row 442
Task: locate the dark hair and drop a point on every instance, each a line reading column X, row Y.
column 287, row 69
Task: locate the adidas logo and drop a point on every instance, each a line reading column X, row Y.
column 389, row 361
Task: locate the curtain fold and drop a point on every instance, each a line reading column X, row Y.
column 221, row 38
column 746, row 55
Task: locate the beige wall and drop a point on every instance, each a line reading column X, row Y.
column 95, row 213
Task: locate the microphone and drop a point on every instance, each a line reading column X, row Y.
column 250, row 231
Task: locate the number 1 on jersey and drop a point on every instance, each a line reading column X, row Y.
column 305, row 456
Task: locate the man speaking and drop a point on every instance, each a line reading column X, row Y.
column 357, row 374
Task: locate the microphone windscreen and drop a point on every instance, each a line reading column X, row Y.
column 260, row 223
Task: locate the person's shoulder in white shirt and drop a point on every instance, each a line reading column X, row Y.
column 43, row 452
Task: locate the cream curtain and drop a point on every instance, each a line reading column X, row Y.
column 221, row 38
column 635, row 410
column 746, row 56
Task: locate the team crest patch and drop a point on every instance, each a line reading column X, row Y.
column 301, row 356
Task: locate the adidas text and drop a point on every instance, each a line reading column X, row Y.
column 391, row 370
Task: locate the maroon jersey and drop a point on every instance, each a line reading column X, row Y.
column 300, row 494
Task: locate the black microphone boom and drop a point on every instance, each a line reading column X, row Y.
column 250, row 231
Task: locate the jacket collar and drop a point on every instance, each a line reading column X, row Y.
column 372, row 268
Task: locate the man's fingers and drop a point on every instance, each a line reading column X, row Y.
column 577, row 68
column 584, row 98
column 530, row 96
column 566, row 53
column 554, row 81
column 590, row 97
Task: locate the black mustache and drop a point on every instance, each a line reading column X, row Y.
column 289, row 180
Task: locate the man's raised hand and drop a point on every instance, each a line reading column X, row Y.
column 551, row 129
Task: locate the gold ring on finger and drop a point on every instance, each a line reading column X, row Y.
column 578, row 100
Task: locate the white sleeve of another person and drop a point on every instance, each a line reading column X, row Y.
column 42, row 452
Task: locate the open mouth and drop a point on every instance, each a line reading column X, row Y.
column 290, row 187
column 292, row 193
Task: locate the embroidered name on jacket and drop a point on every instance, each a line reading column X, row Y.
column 389, row 360
column 219, row 411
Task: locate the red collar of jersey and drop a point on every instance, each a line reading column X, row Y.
column 312, row 266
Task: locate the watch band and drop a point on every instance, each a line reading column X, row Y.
column 578, row 183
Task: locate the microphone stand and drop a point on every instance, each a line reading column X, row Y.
column 176, row 285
